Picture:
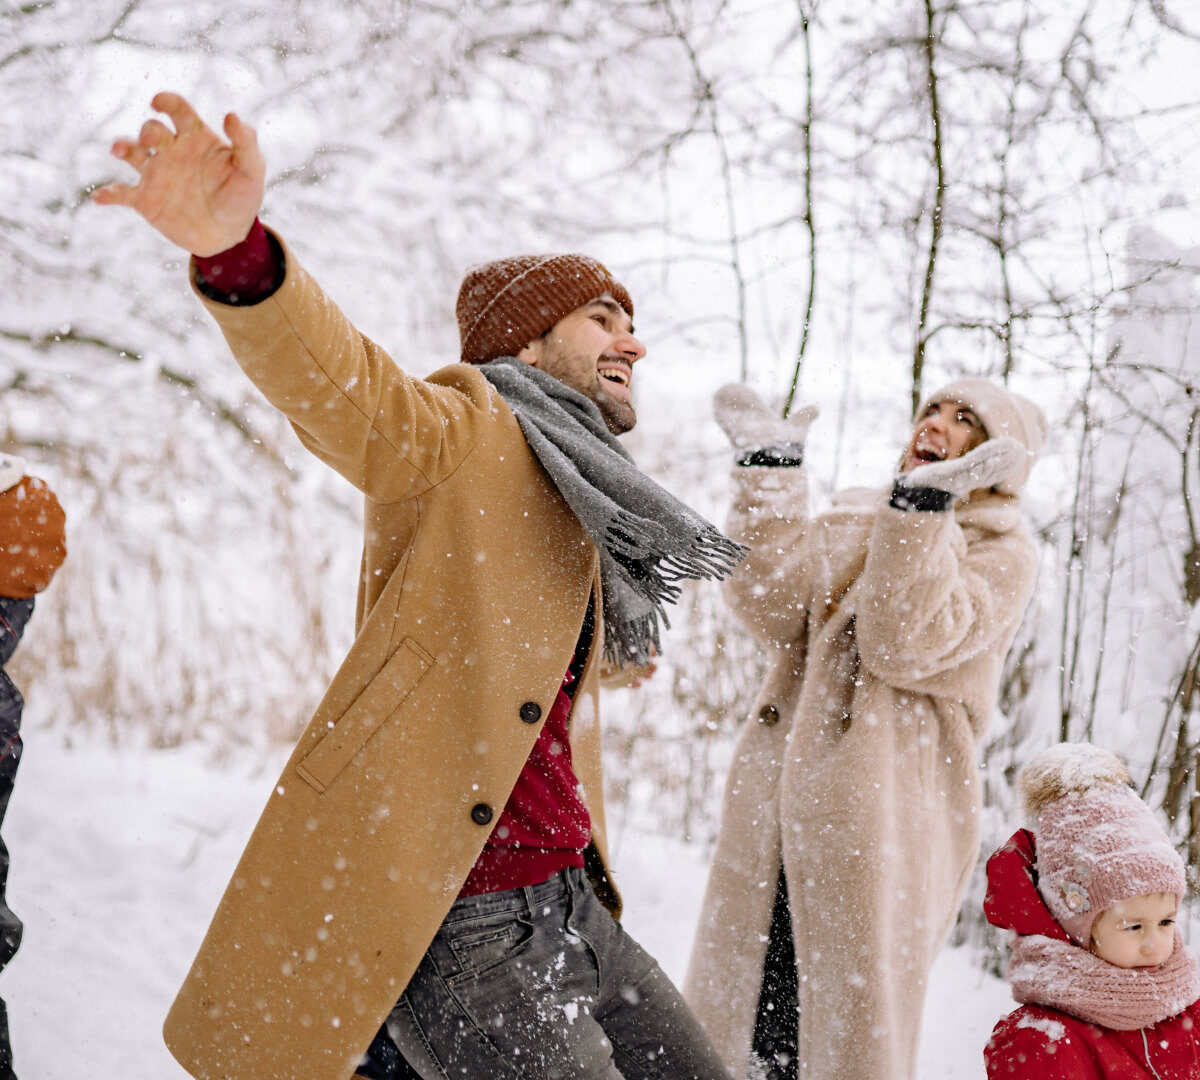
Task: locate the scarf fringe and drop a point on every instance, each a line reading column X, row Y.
column 706, row 554
column 633, row 641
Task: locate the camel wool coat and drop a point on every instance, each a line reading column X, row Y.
column 476, row 579
column 885, row 632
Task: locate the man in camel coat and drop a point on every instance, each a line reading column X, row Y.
column 851, row 813
column 430, row 870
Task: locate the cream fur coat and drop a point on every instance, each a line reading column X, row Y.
column 885, row 632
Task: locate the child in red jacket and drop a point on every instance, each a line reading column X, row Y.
column 1110, row 990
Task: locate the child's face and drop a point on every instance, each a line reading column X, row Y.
column 1138, row 932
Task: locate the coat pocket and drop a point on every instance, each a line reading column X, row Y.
column 382, row 696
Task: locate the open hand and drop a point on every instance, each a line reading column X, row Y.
column 198, row 190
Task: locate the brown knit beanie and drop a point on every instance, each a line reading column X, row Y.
column 1002, row 412
column 32, row 538
column 1098, row 844
column 503, row 305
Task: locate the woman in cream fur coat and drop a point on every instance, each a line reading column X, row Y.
column 851, row 816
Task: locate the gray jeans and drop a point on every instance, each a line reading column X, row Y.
column 541, row 983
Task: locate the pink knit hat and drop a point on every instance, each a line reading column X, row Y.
column 1098, row 844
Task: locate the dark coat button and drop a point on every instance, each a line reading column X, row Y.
column 481, row 813
column 768, row 715
column 531, row 712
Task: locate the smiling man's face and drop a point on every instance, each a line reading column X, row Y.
column 593, row 350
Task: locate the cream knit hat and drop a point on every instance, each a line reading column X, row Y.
column 1002, row 412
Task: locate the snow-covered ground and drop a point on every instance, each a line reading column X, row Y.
column 119, row 857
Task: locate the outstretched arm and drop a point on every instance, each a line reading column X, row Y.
column 390, row 435
column 201, row 192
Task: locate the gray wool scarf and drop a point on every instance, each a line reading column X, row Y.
column 648, row 539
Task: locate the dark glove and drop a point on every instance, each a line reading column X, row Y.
column 938, row 486
column 756, row 431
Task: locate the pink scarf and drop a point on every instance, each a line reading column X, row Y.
column 1066, row 977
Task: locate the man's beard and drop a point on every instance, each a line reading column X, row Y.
column 572, row 370
column 619, row 416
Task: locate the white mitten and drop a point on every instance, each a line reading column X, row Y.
column 750, row 424
column 12, row 468
column 988, row 464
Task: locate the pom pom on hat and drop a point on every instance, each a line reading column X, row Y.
column 1069, row 769
column 504, row 305
column 1098, row 844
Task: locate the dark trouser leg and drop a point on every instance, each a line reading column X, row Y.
column 777, row 1022
column 654, row 1034
column 10, row 925
column 542, row 983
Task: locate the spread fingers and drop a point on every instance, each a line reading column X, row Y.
column 130, row 152
column 155, row 137
column 115, row 195
column 186, row 120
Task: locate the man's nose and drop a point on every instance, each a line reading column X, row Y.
column 629, row 347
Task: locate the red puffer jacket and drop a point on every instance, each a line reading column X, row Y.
column 1038, row 1043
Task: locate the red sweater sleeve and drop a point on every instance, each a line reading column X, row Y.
column 245, row 273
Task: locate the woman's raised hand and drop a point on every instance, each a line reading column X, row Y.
column 750, row 424
column 201, row 192
column 990, row 463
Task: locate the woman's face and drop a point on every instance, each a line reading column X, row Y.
column 947, row 430
column 1138, row 932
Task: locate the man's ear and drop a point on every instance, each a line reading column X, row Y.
column 530, row 353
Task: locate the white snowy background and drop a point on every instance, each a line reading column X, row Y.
column 996, row 187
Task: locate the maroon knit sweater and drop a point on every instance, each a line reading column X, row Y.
column 545, row 824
